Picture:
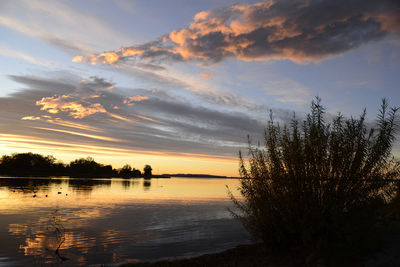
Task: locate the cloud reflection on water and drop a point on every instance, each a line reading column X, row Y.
column 115, row 220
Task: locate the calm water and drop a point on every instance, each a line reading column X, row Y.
column 69, row 222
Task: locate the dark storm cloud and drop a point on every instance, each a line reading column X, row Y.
column 298, row 30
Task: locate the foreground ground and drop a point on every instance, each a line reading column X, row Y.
column 244, row 255
column 255, row 255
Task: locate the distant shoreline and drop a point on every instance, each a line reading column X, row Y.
column 161, row 176
column 36, row 165
column 189, row 175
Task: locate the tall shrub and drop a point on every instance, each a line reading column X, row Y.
column 316, row 184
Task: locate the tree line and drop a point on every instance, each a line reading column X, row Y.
column 36, row 165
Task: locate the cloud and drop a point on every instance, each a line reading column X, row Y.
column 81, row 101
column 299, row 30
column 177, row 81
column 157, row 123
column 12, row 53
column 132, row 100
column 288, row 91
column 78, row 133
column 206, row 75
column 60, row 24
column 30, row 118
column 66, row 103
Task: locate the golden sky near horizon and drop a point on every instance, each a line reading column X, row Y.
column 180, row 85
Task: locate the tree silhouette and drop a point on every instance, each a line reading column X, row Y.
column 125, row 171
column 34, row 165
column 147, row 171
column 88, row 168
column 28, row 164
column 136, row 173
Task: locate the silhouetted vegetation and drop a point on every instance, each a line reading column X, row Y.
column 86, row 168
column 147, row 172
column 190, row 175
column 36, row 165
column 29, row 164
column 128, row 172
column 318, row 189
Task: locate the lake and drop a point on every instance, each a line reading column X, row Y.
column 80, row 222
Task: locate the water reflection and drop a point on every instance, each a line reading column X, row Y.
column 126, row 184
column 46, row 243
column 99, row 221
column 146, row 184
column 26, row 185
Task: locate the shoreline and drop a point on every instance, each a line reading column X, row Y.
column 239, row 256
column 255, row 255
column 122, row 178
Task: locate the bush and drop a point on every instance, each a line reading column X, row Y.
column 318, row 186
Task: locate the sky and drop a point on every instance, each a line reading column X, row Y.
column 180, row 84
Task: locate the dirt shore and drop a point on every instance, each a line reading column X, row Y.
column 255, row 255
column 240, row 256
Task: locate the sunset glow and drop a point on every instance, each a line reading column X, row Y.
column 199, row 133
column 181, row 86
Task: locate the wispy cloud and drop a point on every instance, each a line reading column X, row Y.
column 156, row 123
column 12, row 53
column 70, row 124
column 288, row 91
column 132, row 100
column 104, row 138
column 60, row 25
column 299, row 30
column 206, row 75
column 30, row 118
column 24, row 141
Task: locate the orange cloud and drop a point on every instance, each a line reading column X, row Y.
column 30, row 118
column 109, row 57
column 104, row 138
column 201, row 15
column 106, row 57
column 78, row 59
column 180, row 36
column 113, row 115
column 131, row 51
column 23, row 141
column 149, row 119
column 65, row 103
column 58, row 121
column 132, row 100
column 207, row 75
column 269, row 30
